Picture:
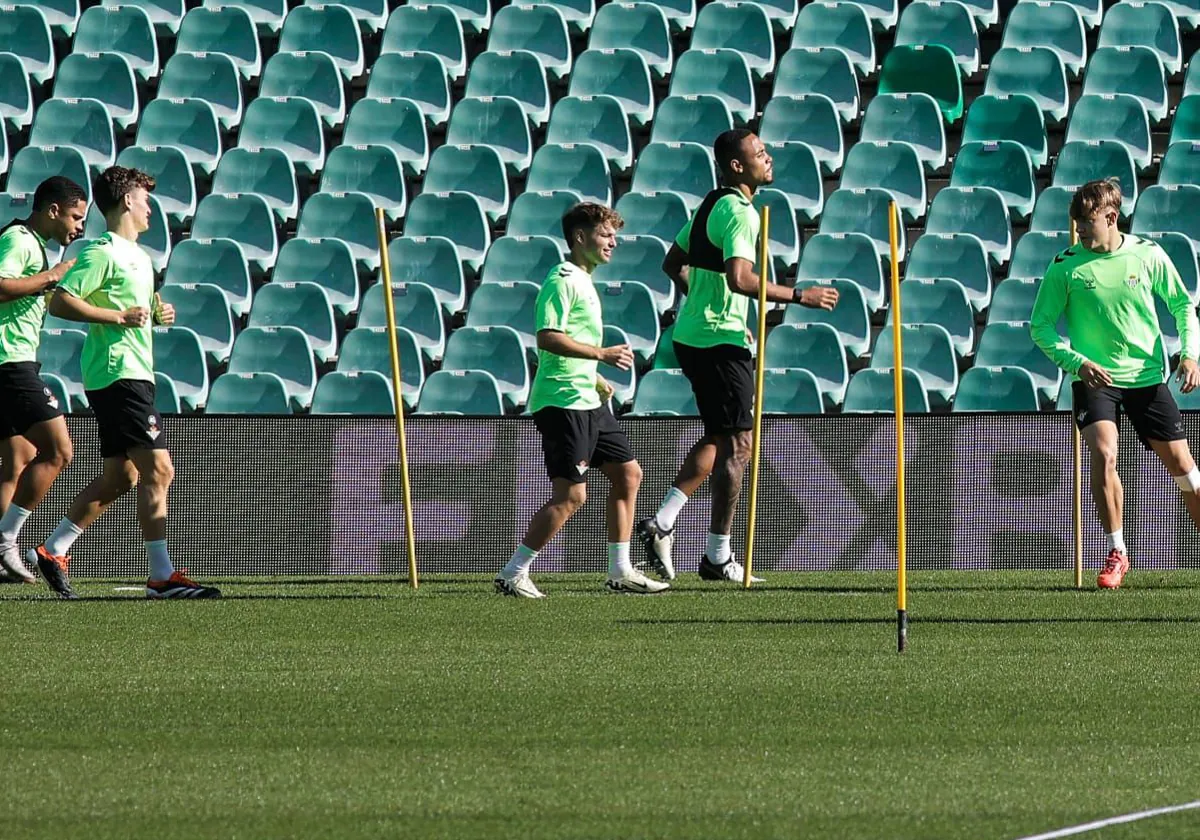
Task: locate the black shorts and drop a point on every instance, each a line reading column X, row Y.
column 575, row 439
column 1152, row 410
column 127, row 418
column 722, row 379
column 24, row 398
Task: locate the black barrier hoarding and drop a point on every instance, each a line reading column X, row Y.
column 321, row 495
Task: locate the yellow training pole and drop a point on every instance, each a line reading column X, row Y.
column 898, row 385
column 1077, row 484
column 763, row 273
column 385, row 267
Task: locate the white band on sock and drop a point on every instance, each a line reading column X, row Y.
column 669, row 510
column 520, row 562
column 10, row 524
column 1189, row 483
column 718, row 551
column 618, row 560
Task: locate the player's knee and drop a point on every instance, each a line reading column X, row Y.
column 631, row 476
column 1107, row 456
column 742, row 442
column 161, row 475
column 61, row 453
column 576, row 496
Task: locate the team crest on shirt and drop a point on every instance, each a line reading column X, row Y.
column 51, row 400
column 1131, row 281
column 152, row 431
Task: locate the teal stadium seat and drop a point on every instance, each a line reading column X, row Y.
column 25, row 32
column 374, row 171
column 435, row 29
column 884, row 14
column 433, row 260
column 313, row 76
column 1082, row 161
column 126, row 31
column 1164, row 209
column 248, row 393
column 664, row 392
column 220, row 262
column 1180, row 252
column 419, row 77
column 791, row 391
column 912, row 118
column 478, row 170
column 744, row 27
column 845, row 26
column 16, row 95
column 996, row 389
column 265, row 172
column 1015, row 118
column 189, row 125
column 107, row 78
column 518, row 74
column 942, row 301
column 579, row 14
column 34, row 164
column 664, row 355
column 784, row 235
column 283, row 351
column 417, row 309
column 80, row 124
column 850, row 257
column 658, row 214
column 824, row 71
column 166, row 15
column 851, row 317
column 724, row 73
column 943, row 22
column 637, row 259
column 15, row 207
column 178, row 354
column 925, row 68
column 175, row 182
column 228, row 30
column 368, row 349
column 1037, row 72
column 1151, row 25
column 326, row 262
column 894, row 167
column 331, row 29
column 1180, row 165
column 362, row 393
column 497, row 121
column 816, row 348
column 515, row 258
column 928, row 350
column 507, row 305
column 629, row 306
column 540, row 29
column 620, row 73
column 396, row 124
column 247, row 220
column 686, row 169
column 798, row 177
column 980, row 211
column 691, row 119
column 599, row 120
column 1117, row 117
column 1010, row 344
column 1013, row 299
column 60, row 353
column 304, row 306
column 540, row 214
column 1054, row 26
column 623, row 382
column 1033, row 254
column 580, row 168
column 166, row 395
column 1051, row 214
column 156, row 241
column 873, row 391
column 960, row 256
column 469, row 392
column 1136, row 71
column 346, row 216
column 212, row 79
column 1186, row 11
column 861, row 211
column 1187, row 402
column 1002, row 165
column 496, row 350
column 267, row 15
column 812, row 120
column 1091, row 10
column 204, row 309
column 1185, row 126
column 638, row 26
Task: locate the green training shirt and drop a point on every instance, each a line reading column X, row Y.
column 1111, row 319
column 567, row 303
column 22, row 253
column 713, row 313
column 114, row 273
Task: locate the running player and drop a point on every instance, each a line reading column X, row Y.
column 34, row 443
column 712, row 262
column 111, row 288
column 566, row 401
column 1106, row 286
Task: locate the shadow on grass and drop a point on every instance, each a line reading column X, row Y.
column 912, row 620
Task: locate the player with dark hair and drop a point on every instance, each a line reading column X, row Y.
column 712, row 262
column 35, row 445
column 566, row 402
column 111, row 288
column 1106, row 286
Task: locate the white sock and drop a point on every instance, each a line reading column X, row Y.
column 64, row 536
column 668, row 511
column 160, row 560
column 718, row 549
column 618, row 560
column 521, row 560
column 1116, row 540
column 11, row 522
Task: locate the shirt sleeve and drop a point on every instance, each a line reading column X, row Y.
column 684, row 238
column 16, row 257
column 1168, row 285
column 553, row 305
column 1048, row 307
column 740, row 236
column 88, row 274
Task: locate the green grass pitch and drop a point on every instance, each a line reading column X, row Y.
column 359, row 709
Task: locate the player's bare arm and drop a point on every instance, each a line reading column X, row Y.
column 66, row 305
column 560, row 344
column 675, row 266
column 15, row 288
column 740, row 276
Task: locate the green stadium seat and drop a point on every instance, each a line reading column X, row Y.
column 851, row 257
column 212, row 79
column 368, row 349
column 497, row 121
column 283, row 351
column 1015, row 118
column 624, row 382
column 435, row 29
column 691, row 119
column 629, row 305
column 327, row 263
column 960, row 256
column 248, row 393
column 1082, row 161
column 81, row 124
column 126, row 31
column 621, row 74
column 814, row 347
column 599, row 120
column 331, row 29
column 396, row 124
column 657, row 214
column 415, row 79
column 664, row 392
column 1033, row 254
column 478, row 170
column 824, row 71
column 470, row 392
column 1136, row 71
column 507, row 305
column 541, row 29
column 266, row 172
column 1013, row 299
column 942, row 301
column 724, row 73
column 219, row 262
column 362, row 393
column 247, row 220
column 638, row 259
column 976, row 210
column 580, row 168
column 894, row 167
column 873, row 391
column 347, row 216
column 204, row 309
column 106, row 77
column 60, row 353
column 1052, row 212
column 943, row 22
column 791, row 391
column 1002, row 165
column 517, row 74
column 496, row 350
column 34, row 164
column 642, row 27
column 1117, row 117
column 515, row 258
column 16, row 95
column 304, row 306
column 417, row 309
column 798, row 177
column 812, row 120
column 434, row 260
column 166, row 395
column 175, row 183
column 685, row 169
column 292, row 125
column 1010, row 344
column 313, row 76
column 928, row 68
column 189, row 125
column 743, row 27
column 267, row 15
column 1151, row 25
column 374, row 171
column 861, row 211
column 1004, row 388
column 540, row 214
column 1185, row 125
column 179, row 355
column 1163, row 209
column 850, row 317
column 228, row 30
column 912, row 118
column 784, row 238
column 1055, row 26
column 928, row 350
column 25, row 33
column 1036, row 72
column 845, row 26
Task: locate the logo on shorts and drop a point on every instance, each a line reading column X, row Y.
column 1082, row 415
column 51, row 400
column 152, row 431
column 581, row 467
